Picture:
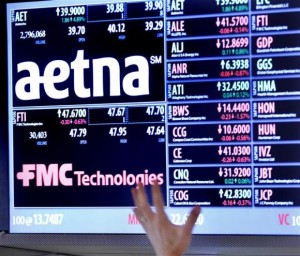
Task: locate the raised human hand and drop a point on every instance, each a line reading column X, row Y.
column 166, row 238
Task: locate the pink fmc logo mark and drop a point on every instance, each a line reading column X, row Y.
column 51, row 176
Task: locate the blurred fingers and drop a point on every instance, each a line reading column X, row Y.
column 157, row 199
column 191, row 220
column 141, row 202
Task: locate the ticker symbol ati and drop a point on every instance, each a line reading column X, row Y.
column 177, row 89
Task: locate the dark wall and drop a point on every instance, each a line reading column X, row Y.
column 3, row 124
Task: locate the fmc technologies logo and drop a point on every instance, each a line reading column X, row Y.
column 133, row 83
column 54, row 175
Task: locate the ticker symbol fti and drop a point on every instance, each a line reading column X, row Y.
column 262, row 20
column 21, row 117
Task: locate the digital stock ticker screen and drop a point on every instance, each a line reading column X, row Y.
column 202, row 96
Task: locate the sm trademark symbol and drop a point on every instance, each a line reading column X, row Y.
column 154, row 59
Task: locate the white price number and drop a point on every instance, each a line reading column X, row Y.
column 153, row 5
column 115, row 8
column 154, row 25
column 155, row 110
column 76, row 30
column 70, row 11
column 78, row 132
column 235, row 193
column 116, row 28
column 118, row 131
column 74, row 113
column 116, row 111
column 235, row 64
column 156, row 130
column 48, row 219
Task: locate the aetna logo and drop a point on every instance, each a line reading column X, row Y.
column 134, row 83
column 40, row 175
